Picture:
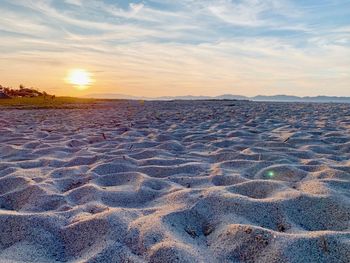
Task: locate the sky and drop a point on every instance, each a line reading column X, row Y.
column 170, row 48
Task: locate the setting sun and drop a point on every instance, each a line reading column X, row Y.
column 80, row 78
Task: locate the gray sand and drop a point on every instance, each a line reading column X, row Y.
column 176, row 181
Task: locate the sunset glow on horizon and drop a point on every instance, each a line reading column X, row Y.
column 79, row 78
column 171, row 48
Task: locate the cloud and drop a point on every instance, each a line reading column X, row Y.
column 74, row 2
column 177, row 47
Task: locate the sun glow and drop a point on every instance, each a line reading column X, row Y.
column 79, row 78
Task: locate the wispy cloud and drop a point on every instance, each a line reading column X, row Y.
column 191, row 46
column 74, row 2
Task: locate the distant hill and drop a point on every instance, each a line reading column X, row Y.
column 275, row 98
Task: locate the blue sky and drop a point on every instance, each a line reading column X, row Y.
column 184, row 47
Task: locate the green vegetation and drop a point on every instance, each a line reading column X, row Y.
column 22, row 91
column 45, row 102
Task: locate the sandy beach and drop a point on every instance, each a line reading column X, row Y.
column 177, row 181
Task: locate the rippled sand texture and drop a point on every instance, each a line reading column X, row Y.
column 176, row 182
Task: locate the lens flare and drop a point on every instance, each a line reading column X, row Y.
column 270, row 174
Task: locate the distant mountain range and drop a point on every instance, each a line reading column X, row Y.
column 276, row 98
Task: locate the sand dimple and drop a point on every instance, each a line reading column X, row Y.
column 288, row 173
column 258, row 189
column 199, row 181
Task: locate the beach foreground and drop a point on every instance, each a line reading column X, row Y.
column 195, row 181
